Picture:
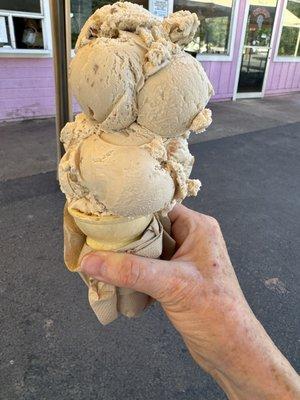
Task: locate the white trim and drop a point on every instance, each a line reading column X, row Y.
column 276, row 57
column 232, row 35
column 68, row 37
column 44, row 16
column 249, row 95
column 279, row 31
column 24, row 53
column 45, row 44
column 244, row 95
column 47, row 24
column 211, row 57
column 276, row 18
column 286, row 59
column 11, row 32
column 22, row 14
column 239, row 60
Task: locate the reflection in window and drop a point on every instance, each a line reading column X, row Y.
column 28, row 33
column 82, row 9
column 289, row 44
column 33, row 6
column 257, row 41
column 215, row 18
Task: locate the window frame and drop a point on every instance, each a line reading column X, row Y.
column 278, row 58
column 44, row 16
column 232, row 35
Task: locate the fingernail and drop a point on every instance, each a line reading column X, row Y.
column 92, row 264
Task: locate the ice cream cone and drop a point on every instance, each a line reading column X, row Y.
column 109, row 232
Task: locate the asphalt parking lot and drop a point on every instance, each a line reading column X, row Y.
column 52, row 346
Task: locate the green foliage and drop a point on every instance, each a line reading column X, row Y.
column 294, row 7
column 289, row 35
column 216, row 31
column 288, row 41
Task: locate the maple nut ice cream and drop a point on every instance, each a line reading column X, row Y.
column 141, row 95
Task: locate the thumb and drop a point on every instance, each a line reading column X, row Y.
column 146, row 275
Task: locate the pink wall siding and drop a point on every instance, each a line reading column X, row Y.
column 219, row 74
column 283, row 77
column 26, row 88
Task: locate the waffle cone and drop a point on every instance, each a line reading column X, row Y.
column 109, row 232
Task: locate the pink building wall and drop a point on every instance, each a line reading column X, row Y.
column 283, row 77
column 27, row 84
column 26, row 88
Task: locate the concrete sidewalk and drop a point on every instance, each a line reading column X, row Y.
column 52, row 346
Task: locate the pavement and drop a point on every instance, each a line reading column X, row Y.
column 52, row 346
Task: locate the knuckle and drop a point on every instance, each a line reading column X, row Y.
column 213, row 224
column 213, row 221
column 183, row 280
column 203, row 221
column 130, row 271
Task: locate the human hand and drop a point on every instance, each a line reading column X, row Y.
column 200, row 294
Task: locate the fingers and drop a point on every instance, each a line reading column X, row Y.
column 183, row 222
column 178, row 211
column 126, row 270
column 193, row 233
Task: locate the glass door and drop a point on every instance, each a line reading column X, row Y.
column 256, row 47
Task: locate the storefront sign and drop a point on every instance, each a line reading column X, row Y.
column 159, row 8
column 261, row 11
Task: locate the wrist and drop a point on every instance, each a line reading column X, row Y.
column 245, row 362
column 255, row 368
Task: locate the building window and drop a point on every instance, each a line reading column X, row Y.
column 213, row 35
column 21, row 25
column 81, row 10
column 32, row 6
column 289, row 45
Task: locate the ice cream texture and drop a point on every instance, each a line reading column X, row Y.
column 127, row 154
column 130, row 173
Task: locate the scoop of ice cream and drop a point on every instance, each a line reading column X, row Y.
column 125, row 173
column 122, row 46
column 126, row 180
column 109, row 20
column 181, row 26
column 105, row 76
column 117, row 20
column 173, row 97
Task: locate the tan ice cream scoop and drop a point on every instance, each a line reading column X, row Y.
column 130, row 67
column 128, row 173
column 105, row 76
column 171, row 99
column 110, row 19
column 99, row 177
